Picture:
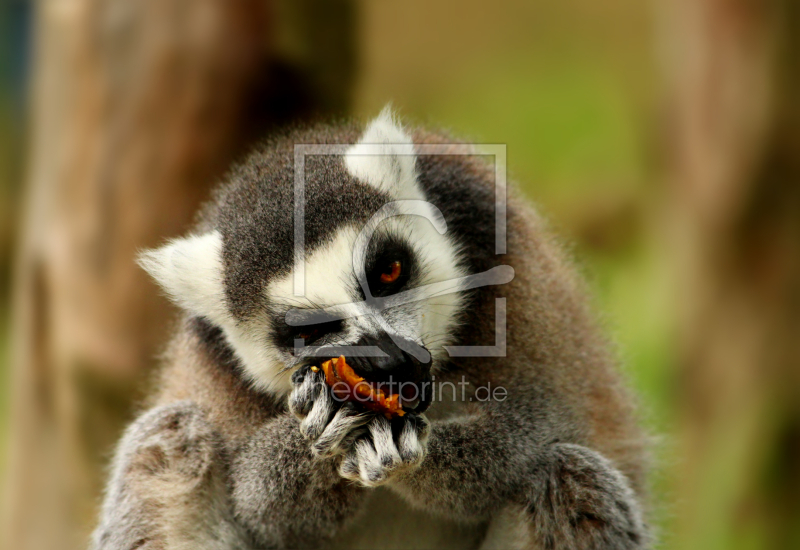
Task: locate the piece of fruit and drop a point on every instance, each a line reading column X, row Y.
column 347, row 385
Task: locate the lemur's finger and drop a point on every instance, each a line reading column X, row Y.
column 348, row 469
column 314, row 424
column 412, row 443
column 381, row 431
column 344, row 422
column 371, row 471
column 305, row 391
column 374, row 457
column 299, row 375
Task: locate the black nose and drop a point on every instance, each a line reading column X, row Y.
column 394, row 365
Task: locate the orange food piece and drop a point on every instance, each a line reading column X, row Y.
column 337, row 371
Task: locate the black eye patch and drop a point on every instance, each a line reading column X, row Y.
column 389, row 267
column 310, row 327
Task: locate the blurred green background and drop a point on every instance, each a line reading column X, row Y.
column 577, row 92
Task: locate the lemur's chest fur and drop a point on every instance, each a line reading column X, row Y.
column 387, row 522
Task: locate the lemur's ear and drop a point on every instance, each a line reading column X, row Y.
column 384, row 157
column 190, row 271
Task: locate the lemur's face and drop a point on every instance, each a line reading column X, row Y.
column 376, row 278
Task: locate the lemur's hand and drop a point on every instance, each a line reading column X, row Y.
column 332, row 425
column 389, row 447
column 373, row 448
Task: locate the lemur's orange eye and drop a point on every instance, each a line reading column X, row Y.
column 392, row 273
column 308, row 334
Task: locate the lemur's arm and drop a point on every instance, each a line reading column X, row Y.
column 168, row 487
column 284, row 494
column 174, row 486
column 571, row 496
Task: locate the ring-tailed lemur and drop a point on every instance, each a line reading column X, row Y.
column 246, row 447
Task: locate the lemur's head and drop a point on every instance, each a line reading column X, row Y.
column 374, row 275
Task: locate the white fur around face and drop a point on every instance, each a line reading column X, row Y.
column 191, row 270
column 384, row 158
column 328, row 275
column 437, row 257
column 331, row 281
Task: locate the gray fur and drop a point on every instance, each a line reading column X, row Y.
column 248, row 210
column 218, row 463
column 167, row 488
column 413, row 441
column 286, row 496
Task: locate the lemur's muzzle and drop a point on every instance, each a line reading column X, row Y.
column 398, row 371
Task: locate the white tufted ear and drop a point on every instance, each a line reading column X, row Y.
column 190, row 271
column 384, row 158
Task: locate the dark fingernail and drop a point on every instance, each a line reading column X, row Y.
column 298, row 376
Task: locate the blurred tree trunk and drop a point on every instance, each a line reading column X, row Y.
column 138, row 107
column 734, row 140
